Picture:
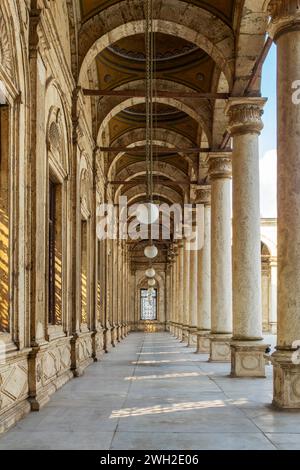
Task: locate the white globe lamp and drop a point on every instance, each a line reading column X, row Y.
column 151, row 251
column 150, row 273
column 147, row 213
column 151, row 282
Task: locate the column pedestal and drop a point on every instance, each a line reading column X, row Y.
column 247, row 359
column 286, row 378
column 180, row 331
column 220, row 348
column 203, row 342
column 192, row 337
column 185, row 335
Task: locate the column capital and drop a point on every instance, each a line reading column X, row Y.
column 285, row 17
column 220, row 165
column 201, row 194
column 245, row 115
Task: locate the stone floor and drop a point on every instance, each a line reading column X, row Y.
column 152, row 392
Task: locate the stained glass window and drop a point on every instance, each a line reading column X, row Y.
column 148, row 304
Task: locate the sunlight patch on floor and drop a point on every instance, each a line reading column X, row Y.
column 165, row 361
column 161, row 409
column 166, row 376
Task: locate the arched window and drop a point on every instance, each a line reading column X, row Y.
column 57, row 219
column 148, row 304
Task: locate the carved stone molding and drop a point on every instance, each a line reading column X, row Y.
column 220, row 165
column 245, row 115
column 285, row 16
column 5, row 48
column 201, row 194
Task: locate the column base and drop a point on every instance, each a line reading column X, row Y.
column 248, row 359
column 192, row 342
column 179, row 332
column 203, row 342
column 185, row 334
column 286, row 379
column 220, row 348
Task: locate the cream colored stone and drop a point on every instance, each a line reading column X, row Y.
column 221, row 297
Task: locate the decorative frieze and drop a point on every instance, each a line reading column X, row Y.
column 245, row 115
column 5, row 48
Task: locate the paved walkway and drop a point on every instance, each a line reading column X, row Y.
column 152, row 392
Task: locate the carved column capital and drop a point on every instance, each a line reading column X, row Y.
column 245, row 115
column 285, row 17
column 201, row 194
column 220, row 165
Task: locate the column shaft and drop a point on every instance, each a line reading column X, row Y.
column 245, row 124
column 186, row 291
column 221, row 295
column 204, row 277
column 193, row 298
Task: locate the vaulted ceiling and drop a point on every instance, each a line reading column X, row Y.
column 201, row 47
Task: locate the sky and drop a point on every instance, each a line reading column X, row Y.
column 267, row 142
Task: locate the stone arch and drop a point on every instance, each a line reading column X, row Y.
column 219, row 120
column 161, row 137
column 190, row 22
column 200, row 110
column 270, row 244
column 159, row 168
column 138, row 168
column 250, row 42
column 158, row 191
column 56, row 109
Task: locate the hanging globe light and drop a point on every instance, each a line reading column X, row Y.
column 151, row 251
column 150, row 273
column 147, row 213
column 151, row 282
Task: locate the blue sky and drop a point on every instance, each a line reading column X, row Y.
column 268, row 144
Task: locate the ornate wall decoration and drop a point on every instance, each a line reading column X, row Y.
column 5, row 48
column 56, row 139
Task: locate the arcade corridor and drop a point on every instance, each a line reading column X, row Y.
column 153, row 392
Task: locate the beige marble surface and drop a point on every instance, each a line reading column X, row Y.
column 159, row 395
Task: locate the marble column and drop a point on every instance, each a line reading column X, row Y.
column 193, row 293
column 173, row 294
column 180, row 287
column 186, row 292
column 204, row 269
column 176, row 268
column 273, row 297
column 247, row 347
column 221, row 293
column 177, row 294
column 285, row 30
column 168, row 297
